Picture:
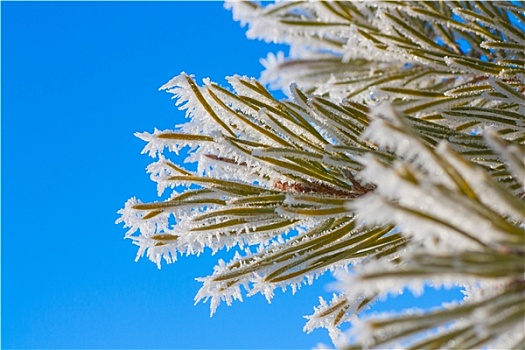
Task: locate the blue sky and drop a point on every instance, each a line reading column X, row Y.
column 78, row 79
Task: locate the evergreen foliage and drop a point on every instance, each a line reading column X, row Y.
column 398, row 156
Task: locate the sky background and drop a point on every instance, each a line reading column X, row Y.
column 78, row 79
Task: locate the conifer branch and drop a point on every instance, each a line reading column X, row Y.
column 399, row 153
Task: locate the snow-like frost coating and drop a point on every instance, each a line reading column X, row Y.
column 377, row 167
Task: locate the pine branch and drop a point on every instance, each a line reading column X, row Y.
column 399, row 152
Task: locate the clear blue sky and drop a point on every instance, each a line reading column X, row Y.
column 78, row 79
